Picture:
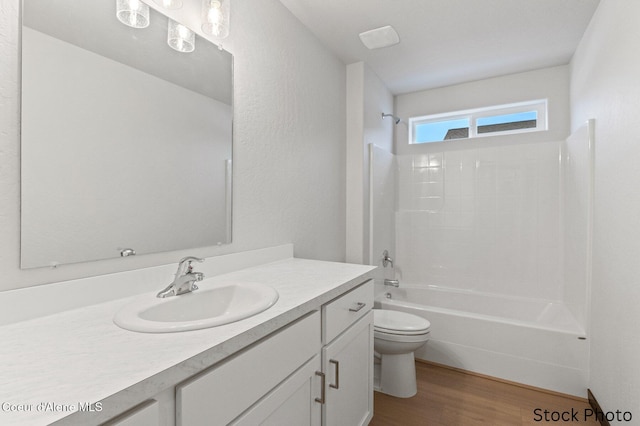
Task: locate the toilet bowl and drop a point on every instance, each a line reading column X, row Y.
column 396, row 336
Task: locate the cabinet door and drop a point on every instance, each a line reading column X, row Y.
column 293, row 402
column 348, row 366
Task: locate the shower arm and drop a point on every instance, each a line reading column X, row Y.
column 396, row 119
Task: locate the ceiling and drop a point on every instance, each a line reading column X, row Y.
column 445, row 42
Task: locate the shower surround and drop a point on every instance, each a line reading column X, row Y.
column 483, row 220
column 492, row 244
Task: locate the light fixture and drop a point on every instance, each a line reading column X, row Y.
column 169, row 4
column 133, row 13
column 380, row 37
column 180, row 38
column 215, row 18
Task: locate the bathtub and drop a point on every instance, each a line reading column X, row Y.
column 534, row 342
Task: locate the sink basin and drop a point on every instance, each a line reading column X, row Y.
column 204, row 308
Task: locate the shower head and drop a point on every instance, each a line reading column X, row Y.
column 396, row 119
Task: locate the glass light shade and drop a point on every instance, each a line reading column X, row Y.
column 169, row 4
column 180, row 37
column 215, row 18
column 133, row 13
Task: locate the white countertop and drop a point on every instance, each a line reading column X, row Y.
column 80, row 356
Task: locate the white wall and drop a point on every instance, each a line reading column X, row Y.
column 355, row 165
column 605, row 86
column 289, row 159
column 367, row 99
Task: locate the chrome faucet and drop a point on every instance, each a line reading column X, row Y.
column 386, row 259
column 185, row 278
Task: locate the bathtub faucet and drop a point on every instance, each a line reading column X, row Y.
column 393, row 283
column 386, row 259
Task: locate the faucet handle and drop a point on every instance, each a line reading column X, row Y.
column 190, row 259
column 185, row 265
column 386, row 259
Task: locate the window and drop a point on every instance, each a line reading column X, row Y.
column 497, row 120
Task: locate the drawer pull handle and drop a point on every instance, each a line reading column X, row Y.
column 337, row 364
column 360, row 306
column 322, row 383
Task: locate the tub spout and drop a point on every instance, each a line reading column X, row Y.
column 393, row 283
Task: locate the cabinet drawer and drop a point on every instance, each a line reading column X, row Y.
column 340, row 313
column 229, row 388
column 145, row 414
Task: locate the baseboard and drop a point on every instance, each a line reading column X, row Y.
column 593, row 402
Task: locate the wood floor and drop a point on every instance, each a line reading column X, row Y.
column 448, row 397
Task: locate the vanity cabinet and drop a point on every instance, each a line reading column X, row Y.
column 347, row 358
column 315, row 371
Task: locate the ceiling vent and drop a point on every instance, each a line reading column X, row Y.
column 380, row 37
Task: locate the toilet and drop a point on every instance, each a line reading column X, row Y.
column 396, row 336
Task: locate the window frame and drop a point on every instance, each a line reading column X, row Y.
column 539, row 106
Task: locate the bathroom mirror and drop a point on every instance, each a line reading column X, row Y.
column 126, row 143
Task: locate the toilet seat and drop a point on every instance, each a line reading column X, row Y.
column 401, row 338
column 388, row 322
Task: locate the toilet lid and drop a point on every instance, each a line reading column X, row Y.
column 396, row 322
